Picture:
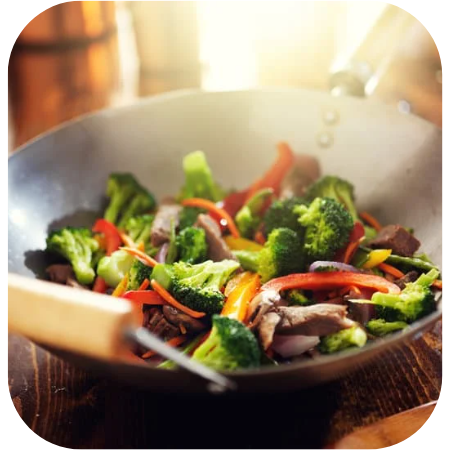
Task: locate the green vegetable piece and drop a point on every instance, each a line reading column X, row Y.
column 187, row 349
column 281, row 214
column 188, row 216
column 172, row 252
column 191, row 245
column 379, row 327
column 139, row 228
column 296, row 297
column 113, row 268
column 249, row 260
column 350, row 337
column 137, row 274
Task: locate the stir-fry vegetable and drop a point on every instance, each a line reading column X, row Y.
column 253, row 277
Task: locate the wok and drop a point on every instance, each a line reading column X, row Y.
column 394, row 161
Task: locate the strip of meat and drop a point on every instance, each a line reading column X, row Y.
column 260, row 305
column 176, row 317
column 217, row 248
column 306, row 170
column 409, row 277
column 155, row 322
column 315, row 320
column 63, row 274
column 396, row 238
column 267, row 328
column 163, row 221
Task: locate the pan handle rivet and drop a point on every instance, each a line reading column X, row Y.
column 324, row 139
column 330, row 117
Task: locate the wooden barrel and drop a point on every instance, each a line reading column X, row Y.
column 64, row 63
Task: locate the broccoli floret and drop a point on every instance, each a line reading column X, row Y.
column 249, row 260
column 415, row 301
column 78, row 246
column 282, row 254
column 327, row 228
column 137, row 274
column 199, row 181
column 230, row 346
column 281, row 214
column 139, row 228
column 249, row 217
column 379, row 327
column 191, row 245
column 350, row 337
column 113, row 268
column 198, row 286
column 336, row 188
column 296, row 297
column 127, row 198
column 188, row 216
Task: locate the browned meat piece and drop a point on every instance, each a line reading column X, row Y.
column 60, row 273
column 396, row 238
column 217, row 248
column 306, row 170
column 176, row 317
column 314, row 320
column 163, row 220
column 267, row 328
column 408, row 278
column 63, row 274
column 260, row 305
column 155, row 322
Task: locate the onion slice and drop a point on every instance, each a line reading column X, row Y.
column 337, row 265
column 293, row 345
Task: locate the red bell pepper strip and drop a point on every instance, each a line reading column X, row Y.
column 111, row 233
column 100, row 285
column 144, row 297
column 331, row 280
column 279, row 169
column 346, row 254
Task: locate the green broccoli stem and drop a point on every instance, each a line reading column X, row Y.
column 169, row 364
column 249, row 260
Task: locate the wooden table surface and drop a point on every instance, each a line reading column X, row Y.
column 77, row 409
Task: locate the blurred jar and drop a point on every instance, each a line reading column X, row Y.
column 167, row 45
column 63, row 64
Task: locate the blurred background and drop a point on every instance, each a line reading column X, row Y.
column 79, row 57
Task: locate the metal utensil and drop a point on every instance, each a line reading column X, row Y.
column 90, row 324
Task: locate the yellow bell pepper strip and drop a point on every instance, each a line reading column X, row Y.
column 331, row 280
column 242, row 244
column 376, row 257
column 235, row 281
column 121, row 287
column 237, row 302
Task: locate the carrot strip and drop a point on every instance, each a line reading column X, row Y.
column 121, row 287
column 175, row 303
column 369, row 219
column 141, row 246
column 127, row 240
column 144, row 285
column 351, row 249
column 141, row 255
column 437, row 284
column 259, row 238
column 391, row 270
column 212, row 207
column 347, row 289
column 182, row 328
column 174, row 342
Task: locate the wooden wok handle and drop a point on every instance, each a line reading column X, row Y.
column 70, row 319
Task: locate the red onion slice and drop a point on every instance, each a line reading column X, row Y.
column 337, row 265
column 288, row 346
column 162, row 253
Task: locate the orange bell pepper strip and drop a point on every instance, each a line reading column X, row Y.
column 331, row 280
column 237, row 302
